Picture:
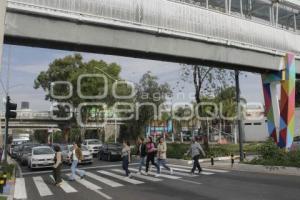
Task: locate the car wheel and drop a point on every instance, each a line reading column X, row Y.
column 109, row 157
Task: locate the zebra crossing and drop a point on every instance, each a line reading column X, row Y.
column 97, row 181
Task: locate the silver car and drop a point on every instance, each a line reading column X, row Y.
column 67, row 153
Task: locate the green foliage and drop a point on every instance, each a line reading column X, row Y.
column 149, row 90
column 270, row 154
column 8, row 169
column 177, row 150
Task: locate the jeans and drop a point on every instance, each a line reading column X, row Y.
column 142, row 163
column 162, row 162
column 150, row 158
column 196, row 164
column 57, row 174
column 74, row 170
column 125, row 164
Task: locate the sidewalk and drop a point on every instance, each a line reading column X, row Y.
column 225, row 164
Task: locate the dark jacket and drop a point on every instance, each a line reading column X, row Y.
column 142, row 150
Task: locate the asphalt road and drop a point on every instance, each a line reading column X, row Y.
column 109, row 183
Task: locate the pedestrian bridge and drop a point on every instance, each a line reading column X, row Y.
column 251, row 36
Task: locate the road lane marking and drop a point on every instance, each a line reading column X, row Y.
column 187, row 174
column 90, row 186
column 161, row 175
column 86, row 183
column 65, row 186
column 188, row 171
column 42, row 186
column 103, row 180
column 140, row 176
column 20, row 189
column 205, row 169
column 123, row 178
column 82, row 168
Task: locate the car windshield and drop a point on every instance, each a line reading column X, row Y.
column 41, row 151
column 94, row 142
column 83, row 148
column 114, row 146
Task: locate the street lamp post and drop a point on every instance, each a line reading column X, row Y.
column 239, row 122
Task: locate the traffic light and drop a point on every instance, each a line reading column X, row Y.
column 10, row 109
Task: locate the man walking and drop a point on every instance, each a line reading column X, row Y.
column 162, row 156
column 195, row 150
column 76, row 157
column 141, row 153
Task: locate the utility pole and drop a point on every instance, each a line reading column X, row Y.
column 10, row 113
column 239, row 122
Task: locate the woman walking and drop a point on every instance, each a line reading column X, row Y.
column 57, row 166
column 76, row 157
column 150, row 147
column 126, row 158
column 162, row 156
column 141, row 153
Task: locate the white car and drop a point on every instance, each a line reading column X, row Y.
column 93, row 145
column 41, row 157
column 67, row 152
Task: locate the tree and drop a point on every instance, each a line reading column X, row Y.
column 69, row 69
column 298, row 93
column 148, row 91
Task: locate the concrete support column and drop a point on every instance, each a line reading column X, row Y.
column 281, row 113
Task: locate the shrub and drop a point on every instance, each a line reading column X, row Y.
column 270, row 154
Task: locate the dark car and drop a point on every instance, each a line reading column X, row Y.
column 110, row 152
column 15, row 151
column 23, row 152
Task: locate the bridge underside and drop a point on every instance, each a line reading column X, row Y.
column 40, row 31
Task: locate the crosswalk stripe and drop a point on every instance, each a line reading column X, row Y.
column 120, row 177
column 42, row 186
column 161, row 175
column 205, row 169
column 20, row 189
column 65, row 186
column 187, row 174
column 91, row 186
column 86, row 183
column 148, row 178
column 103, row 180
column 188, row 171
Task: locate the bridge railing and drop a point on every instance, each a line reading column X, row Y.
column 170, row 17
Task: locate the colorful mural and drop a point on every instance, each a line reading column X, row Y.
column 281, row 114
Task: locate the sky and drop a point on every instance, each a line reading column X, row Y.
column 25, row 63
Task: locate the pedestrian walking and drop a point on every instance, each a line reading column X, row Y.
column 195, row 150
column 141, row 154
column 151, row 150
column 57, row 166
column 126, row 158
column 76, row 157
column 162, row 156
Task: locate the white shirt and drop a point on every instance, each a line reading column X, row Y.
column 74, row 155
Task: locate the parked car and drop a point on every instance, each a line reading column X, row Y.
column 110, row 152
column 15, row 151
column 16, row 142
column 41, row 157
column 296, row 144
column 23, row 152
column 93, row 145
column 67, row 152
